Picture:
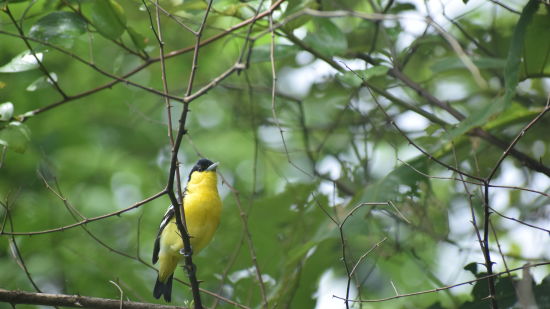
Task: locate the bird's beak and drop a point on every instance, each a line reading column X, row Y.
column 213, row 167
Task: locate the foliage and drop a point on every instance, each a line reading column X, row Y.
column 367, row 161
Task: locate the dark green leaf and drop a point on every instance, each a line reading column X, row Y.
column 327, row 38
column 541, row 293
column 472, row 267
column 436, row 306
column 536, row 51
column 505, row 293
column 401, row 7
column 108, row 18
column 58, row 28
column 511, row 71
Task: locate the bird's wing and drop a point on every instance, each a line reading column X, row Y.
column 167, row 217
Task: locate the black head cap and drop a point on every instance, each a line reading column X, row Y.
column 201, row 166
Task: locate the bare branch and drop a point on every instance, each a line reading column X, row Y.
column 77, row 301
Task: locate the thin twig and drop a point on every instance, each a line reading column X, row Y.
column 517, row 138
column 352, row 272
column 250, row 243
column 443, row 288
column 521, row 222
column 167, row 103
column 344, row 247
column 120, row 291
column 88, row 220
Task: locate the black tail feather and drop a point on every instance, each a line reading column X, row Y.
column 164, row 289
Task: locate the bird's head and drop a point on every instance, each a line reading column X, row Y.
column 202, row 168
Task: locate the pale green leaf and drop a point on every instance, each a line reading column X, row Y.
column 25, row 61
column 42, row 82
column 6, row 111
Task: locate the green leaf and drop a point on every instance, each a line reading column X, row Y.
column 139, row 40
column 58, row 28
column 541, row 293
column 41, row 82
column 25, row 61
column 351, row 78
column 108, row 18
column 6, row 111
column 436, row 306
column 262, row 53
column 505, row 293
column 294, row 7
column 536, row 51
column 472, row 267
column 194, row 5
column 16, row 136
column 453, row 63
column 226, row 7
column 516, row 114
column 401, row 7
column 476, row 119
column 511, row 71
column 327, row 38
column 511, row 78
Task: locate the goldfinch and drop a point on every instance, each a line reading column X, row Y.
column 202, row 206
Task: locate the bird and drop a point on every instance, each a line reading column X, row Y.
column 202, row 207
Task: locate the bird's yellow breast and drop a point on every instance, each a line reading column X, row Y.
column 202, row 206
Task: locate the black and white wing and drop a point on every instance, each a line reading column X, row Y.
column 167, row 217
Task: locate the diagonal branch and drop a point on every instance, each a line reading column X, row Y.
column 88, row 220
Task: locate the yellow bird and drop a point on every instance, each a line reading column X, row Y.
column 202, row 205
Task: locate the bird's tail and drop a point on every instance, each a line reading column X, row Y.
column 163, row 288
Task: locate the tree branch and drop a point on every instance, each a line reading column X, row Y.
column 45, row 299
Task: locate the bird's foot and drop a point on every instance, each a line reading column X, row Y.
column 186, row 253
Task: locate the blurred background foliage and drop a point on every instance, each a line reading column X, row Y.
column 460, row 79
